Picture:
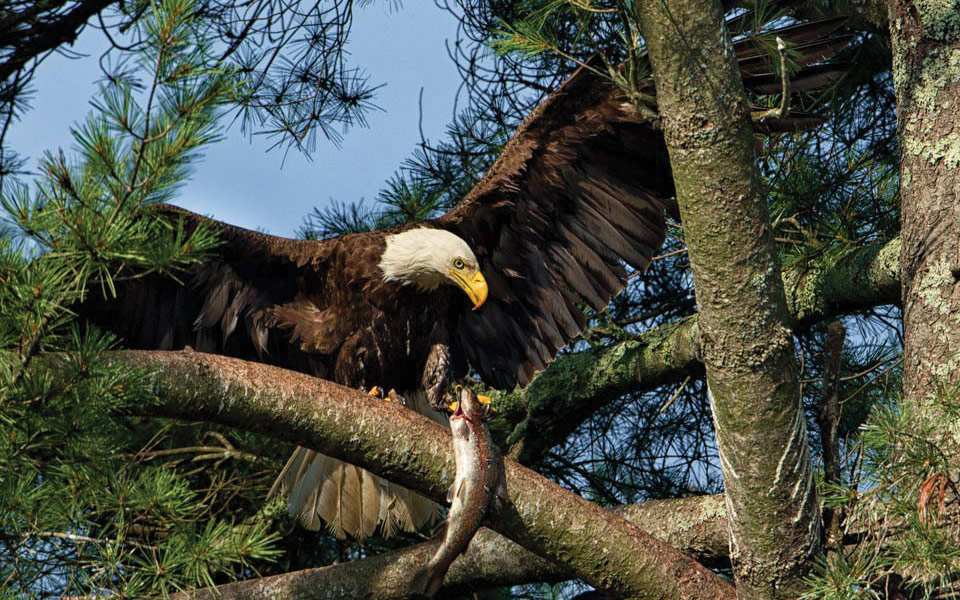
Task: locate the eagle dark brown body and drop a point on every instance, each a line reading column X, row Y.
column 363, row 331
column 320, row 308
column 573, row 203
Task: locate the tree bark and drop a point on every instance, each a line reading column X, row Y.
column 547, row 411
column 926, row 73
column 597, row 546
column 747, row 346
column 695, row 526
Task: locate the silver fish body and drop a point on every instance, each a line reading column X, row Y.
column 474, row 488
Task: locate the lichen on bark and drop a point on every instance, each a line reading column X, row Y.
column 925, row 35
column 747, row 346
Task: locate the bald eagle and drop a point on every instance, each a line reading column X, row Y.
column 498, row 284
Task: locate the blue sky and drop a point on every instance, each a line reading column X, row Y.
column 241, row 182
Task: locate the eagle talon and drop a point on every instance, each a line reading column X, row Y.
column 487, row 403
column 393, row 396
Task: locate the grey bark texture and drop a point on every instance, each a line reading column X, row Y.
column 744, row 321
column 926, row 73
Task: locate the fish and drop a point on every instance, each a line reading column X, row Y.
column 477, row 487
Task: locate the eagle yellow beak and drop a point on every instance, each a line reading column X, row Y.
column 475, row 287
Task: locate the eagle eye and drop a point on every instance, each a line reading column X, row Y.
column 458, row 263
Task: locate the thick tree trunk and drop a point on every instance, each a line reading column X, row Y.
column 926, row 71
column 747, row 346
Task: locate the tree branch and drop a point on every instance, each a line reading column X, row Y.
column 695, row 526
column 596, row 545
column 47, row 35
column 828, row 417
column 575, row 385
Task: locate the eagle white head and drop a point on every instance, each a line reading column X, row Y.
column 428, row 258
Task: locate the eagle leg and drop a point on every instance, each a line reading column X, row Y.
column 436, row 375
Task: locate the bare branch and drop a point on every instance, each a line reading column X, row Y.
column 599, row 547
column 828, row 418
column 694, row 526
column 575, row 385
column 45, row 36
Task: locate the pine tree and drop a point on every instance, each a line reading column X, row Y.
column 95, row 500
column 85, row 510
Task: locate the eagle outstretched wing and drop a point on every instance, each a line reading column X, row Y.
column 224, row 305
column 579, row 190
column 577, row 196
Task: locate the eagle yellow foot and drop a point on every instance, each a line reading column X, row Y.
column 391, row 396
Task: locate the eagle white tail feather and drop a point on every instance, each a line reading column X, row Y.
column 349, row 500
column 398, row 513
column 419, row 509
column 370, row 501
column 348, row 503
column 329, row 507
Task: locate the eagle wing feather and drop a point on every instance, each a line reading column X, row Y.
column 225, row 304
column 573, row 196
column 579, row 194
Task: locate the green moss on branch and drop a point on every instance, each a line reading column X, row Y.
column 543, row 414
